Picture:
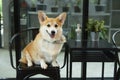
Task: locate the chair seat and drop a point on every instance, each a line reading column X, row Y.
column 23, row 72
column 23, row 66
column 52, row 72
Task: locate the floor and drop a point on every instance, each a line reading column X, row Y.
column 93, row 69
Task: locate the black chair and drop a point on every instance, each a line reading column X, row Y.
column 116, row 42
column 22, row 71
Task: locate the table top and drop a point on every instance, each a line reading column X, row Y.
column 91, row 45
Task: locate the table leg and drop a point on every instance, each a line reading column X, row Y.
column 67, row 68
column 115, row 70
column 70, row 67
column 117, row 74
column 70, row 71
column 67, row 61
column 83, row 70
column 103, row 66
column 115, row 65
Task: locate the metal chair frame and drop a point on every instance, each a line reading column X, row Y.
column 22, row 71
column 114, row 42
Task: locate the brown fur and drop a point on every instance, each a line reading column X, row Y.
column 37, row 51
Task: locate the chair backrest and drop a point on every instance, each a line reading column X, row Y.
column 19, row 41
column 116, row 38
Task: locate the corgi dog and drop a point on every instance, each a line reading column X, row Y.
column 47, row 43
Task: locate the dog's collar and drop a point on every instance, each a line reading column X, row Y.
column 54, row 42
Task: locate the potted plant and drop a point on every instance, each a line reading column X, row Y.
column 55, row 7
column 96, row 29
column 66, row 7
column 99, row 7
column 72, row 31
column 41, row 5
column 77, row 6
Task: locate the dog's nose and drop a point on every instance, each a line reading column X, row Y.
column 52, row 32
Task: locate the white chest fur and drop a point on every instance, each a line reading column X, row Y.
column 50, row 50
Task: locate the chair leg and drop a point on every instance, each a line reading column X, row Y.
column 21, row 76
column 118, row 74
column 24, row 75
column 55, row 75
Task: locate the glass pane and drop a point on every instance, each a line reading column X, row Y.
column 52, row 8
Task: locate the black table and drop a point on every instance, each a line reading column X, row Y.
column 90, row 51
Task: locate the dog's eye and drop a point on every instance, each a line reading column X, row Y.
column 48, row 25
column 56, row 25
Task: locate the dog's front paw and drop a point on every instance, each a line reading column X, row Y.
column 44, row 66
column 30, row 64
column 55, row 64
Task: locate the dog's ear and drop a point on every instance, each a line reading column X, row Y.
column 62, row 17
column 41, row 16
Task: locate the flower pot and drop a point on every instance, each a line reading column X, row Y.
column 32, row 9
column 54, row 9
column 41, row 7
column 100, row 8
column 94, row 36
column 77, row 9
column 65, row 9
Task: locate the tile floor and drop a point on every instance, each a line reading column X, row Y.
column 93, row 69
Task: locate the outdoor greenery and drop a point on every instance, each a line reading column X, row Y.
column 0, row 6
column 56, row 2
column 72, row 32
column 98, row 2
column 66, row 4
column 78, row 2
column 33, row 3
column 95, row 1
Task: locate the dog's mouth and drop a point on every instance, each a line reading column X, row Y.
column 52, row 34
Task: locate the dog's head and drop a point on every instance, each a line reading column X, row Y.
column 51, row 28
